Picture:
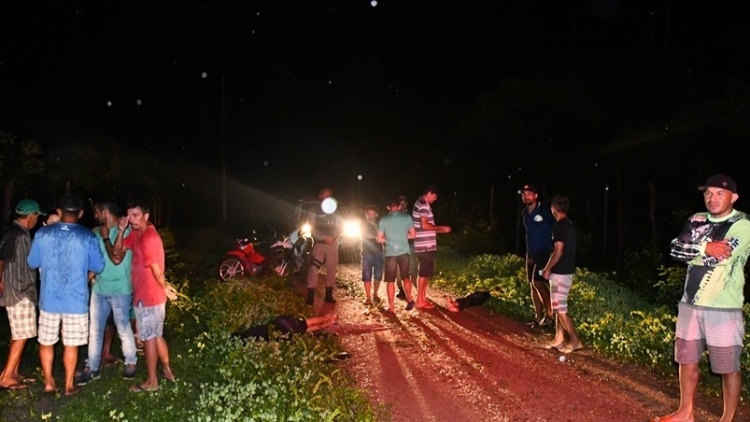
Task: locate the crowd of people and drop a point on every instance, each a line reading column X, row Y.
column 100, row 280
column 86, row 277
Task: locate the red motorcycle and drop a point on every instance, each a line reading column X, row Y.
column 250, row 257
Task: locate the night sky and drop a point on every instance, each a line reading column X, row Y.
column 468, row 95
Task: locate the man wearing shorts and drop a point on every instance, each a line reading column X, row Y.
column 150, row 289
column 559, row 271
column 538, row 221
column 715, row 245
column 68, row 256
column 395, row 230
column 18, row 293
column 425, row 242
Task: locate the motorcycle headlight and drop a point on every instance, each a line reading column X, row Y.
column 305, row 230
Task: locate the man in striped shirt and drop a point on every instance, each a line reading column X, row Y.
column 18, row 292
column 425, row 242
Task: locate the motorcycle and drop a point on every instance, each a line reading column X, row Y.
column 292, row 253
column 251, row 256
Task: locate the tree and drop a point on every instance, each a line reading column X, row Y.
column 19, row 163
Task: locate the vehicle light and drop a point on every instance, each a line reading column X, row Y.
column 352, row 229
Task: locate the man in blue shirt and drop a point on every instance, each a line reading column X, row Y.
column 69, row 257
column 538, row 221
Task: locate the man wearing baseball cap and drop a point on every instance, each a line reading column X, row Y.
column 715, row 246
column 18, row 292
column 538, row 221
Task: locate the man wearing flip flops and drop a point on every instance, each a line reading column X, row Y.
column 425, row 242
column 18, row 293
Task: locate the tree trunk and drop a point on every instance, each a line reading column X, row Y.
column 652, row 213
column 620, row 221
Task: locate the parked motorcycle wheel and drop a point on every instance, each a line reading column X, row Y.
column 231, row 268
column 280, row 266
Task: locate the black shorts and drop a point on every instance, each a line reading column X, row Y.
column 534, row 264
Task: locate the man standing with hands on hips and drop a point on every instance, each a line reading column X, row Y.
column 715, row 245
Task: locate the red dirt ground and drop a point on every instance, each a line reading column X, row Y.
column 478, row 366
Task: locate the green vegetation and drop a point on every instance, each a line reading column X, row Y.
column 223, row 378
column 219, row 377
column 611, row 318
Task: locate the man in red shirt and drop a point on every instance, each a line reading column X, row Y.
column 150, row 289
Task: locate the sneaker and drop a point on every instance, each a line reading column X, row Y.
column 87, row 376
column 401, row 295
column 410, row 306
column 129, row 372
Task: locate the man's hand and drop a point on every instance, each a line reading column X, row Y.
column 123, row 223
column 719, row 249
column 170, row 291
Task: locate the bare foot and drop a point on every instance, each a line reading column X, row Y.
column 451, row 304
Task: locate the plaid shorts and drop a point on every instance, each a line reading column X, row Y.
column 559, row 287
column 22, row 319
column 75, row 329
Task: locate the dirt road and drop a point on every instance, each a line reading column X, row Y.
column 477, row 366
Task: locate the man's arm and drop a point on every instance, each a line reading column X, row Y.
column 109, row 247
column 118, row 248
column 427, row 226
column 684, row 249
column 553, row 259
column 158, row 272
column 2, row 270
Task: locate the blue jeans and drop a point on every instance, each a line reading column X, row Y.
column 372, row 266
column 101, row 306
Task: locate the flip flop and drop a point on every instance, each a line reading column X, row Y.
column 14, row 387
column 559, row 348
column 569, row 349
column 55, row 391
column 27, row 380
column 138, row 389
column 165, row 378
column 73, row 392
column 426, row 306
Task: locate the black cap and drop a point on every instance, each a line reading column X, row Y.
column 431, row 188
column 530, row 188
column 71, row 203
column 719, row 181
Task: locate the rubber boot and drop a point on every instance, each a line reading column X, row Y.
column 329, row 295
column 310, row 296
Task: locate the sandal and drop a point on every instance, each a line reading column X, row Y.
column 14, row 387
column 27, row 380
column 139, row 389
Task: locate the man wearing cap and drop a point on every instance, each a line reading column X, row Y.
column 69, row 257
column 715, row 245
column 425, row 242
column 538, row 222
column 18, row 292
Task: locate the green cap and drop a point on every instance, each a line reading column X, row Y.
column 28, row 206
